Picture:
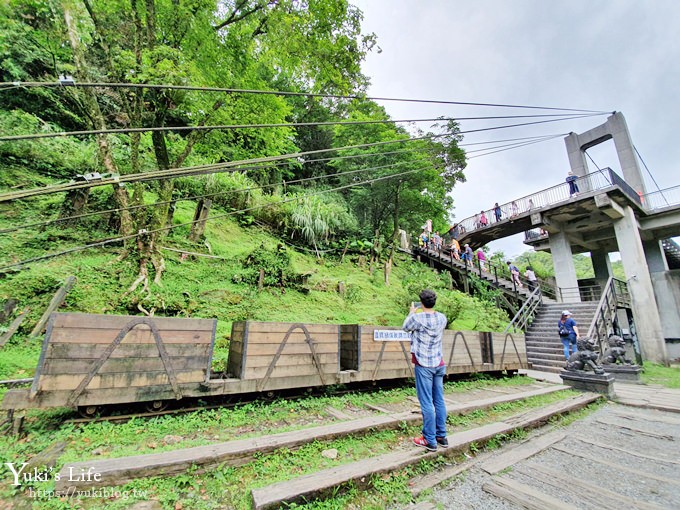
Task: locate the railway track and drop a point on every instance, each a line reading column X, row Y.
column 14, row 383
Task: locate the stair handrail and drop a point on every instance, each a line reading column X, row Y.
column 605, row 313
column 527, row 311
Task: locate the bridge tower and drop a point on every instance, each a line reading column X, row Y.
column 637, row 257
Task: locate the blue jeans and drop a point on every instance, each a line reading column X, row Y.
column 430, row 391
column 569, row 340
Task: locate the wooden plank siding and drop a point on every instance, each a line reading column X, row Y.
column 275, row 352
column 80, row 358
column 509, row 351
column 78, row 365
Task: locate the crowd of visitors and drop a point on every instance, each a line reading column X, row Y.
column 448, row 244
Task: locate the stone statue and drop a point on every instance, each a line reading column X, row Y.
column 616, row 352
column 585, row 358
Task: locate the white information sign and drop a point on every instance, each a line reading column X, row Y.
column 390, row 335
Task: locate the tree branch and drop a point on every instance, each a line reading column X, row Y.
column 235, row 17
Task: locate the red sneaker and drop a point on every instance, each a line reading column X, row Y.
column 420, row 441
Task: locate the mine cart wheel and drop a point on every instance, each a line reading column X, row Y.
column 90, row 411
column 156, row 406
column 269, row 395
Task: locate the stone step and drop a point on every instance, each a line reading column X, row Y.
column 545, row 368
column 571, row 306
column 542, row 342
column 548, row 362
column 557, row 356
column 121, row 470
column 536, row 351
column 306, row 487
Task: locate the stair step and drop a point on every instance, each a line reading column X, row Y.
column 545, row 368
column 535, row 351
column 551, row 362
column 546, row 357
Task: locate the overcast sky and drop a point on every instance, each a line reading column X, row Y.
column 608, row 55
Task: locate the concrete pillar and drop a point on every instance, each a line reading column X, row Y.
column 565, row 272
column 632, row 174
column 616, row 129
column 667, row 291
column 656, row 259
column 601, row 265
column 645, row 311
column 577, row 158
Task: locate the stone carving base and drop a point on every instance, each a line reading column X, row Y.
column 624, row 373
column 589, row 381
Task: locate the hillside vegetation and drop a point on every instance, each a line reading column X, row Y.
column 298, row 286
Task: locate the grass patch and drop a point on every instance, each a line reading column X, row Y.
column 669, row 377
column 229, row 486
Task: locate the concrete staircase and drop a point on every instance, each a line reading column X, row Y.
column 544, row 348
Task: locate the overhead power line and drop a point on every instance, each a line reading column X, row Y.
column 119, row 239
column 204, row 169
column 222, row 127
column 278, row 93
column 197, row 197
column 502, row 148
column 283, row 183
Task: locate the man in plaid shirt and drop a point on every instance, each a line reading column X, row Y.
column 427, row 329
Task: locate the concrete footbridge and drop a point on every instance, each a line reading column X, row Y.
column 604, row 212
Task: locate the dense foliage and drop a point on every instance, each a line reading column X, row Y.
column 299, row 48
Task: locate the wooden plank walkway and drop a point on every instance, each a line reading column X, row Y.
column 124, row 469
column 649, row 396
column 603, row 462
column 521, row 452
column 308, row 486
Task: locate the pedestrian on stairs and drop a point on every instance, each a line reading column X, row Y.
column 531, row 277
column 514, row 274
column 568, row 331
column 482, row 259
column 427, row 330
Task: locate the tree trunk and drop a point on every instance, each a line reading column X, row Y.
column 395, row 223
column 74, row 205
column 96, row 117
column 200, row 218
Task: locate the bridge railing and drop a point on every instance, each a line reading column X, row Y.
column 601, row 179
column 660, row 199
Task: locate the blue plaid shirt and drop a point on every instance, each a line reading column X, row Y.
column 426, row 331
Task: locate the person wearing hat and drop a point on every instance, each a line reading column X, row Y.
column 568, row 331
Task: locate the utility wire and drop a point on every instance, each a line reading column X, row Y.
column 190, row 171
column 650, row 174
column 467, row 144
column 283, row 183
column 209, row 218
column 279, row 93
column 510, row 146
column 35, row 136
column 197, row 197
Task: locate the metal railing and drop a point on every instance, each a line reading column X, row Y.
column 553, row 195
column 535, row 234
column 490, row 272
column 668, row 197
column 525, row 315
column 602, row 179
column 614, row 296
column 580, row 293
